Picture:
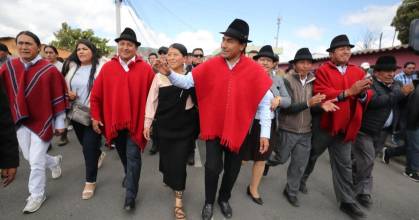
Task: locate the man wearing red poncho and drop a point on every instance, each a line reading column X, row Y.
column 37, row 96
column 230, row 88
column 117, row 106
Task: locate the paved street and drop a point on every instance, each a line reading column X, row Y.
column 395, row 196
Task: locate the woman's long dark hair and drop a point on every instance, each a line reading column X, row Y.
column 95, row 59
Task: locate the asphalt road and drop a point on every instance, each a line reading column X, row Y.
column 395, row 196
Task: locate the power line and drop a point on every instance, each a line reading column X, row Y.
column 177, row 17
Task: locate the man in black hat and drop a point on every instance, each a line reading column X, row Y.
column 346, row 83
column 117, row 103
column 378, row 116
column 4, row 53
column 294, row 122
column 224, row 85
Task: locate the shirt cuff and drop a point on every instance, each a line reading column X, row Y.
column 265, row 131
column 148, row 122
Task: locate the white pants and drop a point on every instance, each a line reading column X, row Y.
column 34, row 150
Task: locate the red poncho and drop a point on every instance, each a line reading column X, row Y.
column 36, row 95
column 118, row 98
column 228, row 99
column 331, row 82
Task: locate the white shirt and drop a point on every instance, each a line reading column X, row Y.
column 125, row 65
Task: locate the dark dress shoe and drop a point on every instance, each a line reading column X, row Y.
column 129, row 204
column 124, row 182
column 256, row 200
column 191, row 159
column 365, row 200
column 207, row 211
column 352, row 210
column 225, row 209
column 293, row 200
column 303, row 188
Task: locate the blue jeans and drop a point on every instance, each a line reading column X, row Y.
column 412, row 150
column 130, row 156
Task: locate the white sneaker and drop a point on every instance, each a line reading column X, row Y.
column 101, row 158
column 33, row 204
column 56, row 171
column 70, row 128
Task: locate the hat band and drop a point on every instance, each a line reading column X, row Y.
column 235, row 33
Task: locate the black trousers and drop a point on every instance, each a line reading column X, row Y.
column 214, row 164
column 130, row 156
column 91, row 142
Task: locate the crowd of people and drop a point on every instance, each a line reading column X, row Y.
column 241, row 105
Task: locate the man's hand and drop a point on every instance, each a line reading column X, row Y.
column 264, row 145
column 275, row 103
column 358, row 87
column 7, row 176
column 329, row 106
column 147, row 134
column 72, row 95
column 162, row 67
column 96, row 126
column 59, row 132
column 316, row 100
column 407, row 89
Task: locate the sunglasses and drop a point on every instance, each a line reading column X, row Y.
column 198, row 55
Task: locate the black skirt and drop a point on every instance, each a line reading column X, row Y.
column 250, row 147
column 173, row 158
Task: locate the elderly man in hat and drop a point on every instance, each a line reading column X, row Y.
column 4, row 53
column 117, row 103
column 346, row 83
column 378, row 116
column 37, row 96
column 294, row 122
column 230, row 89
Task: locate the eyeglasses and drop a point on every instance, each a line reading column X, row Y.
column 198, row 55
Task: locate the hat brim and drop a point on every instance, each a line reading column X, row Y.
column 295, row 60
column 236, row 36
column 337, row 46
column 385, row 67
column 128, row 39
column 256, row 57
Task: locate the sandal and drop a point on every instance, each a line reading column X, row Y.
column 179, row 212
column 88, row 191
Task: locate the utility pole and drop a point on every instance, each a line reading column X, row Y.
column 118, row 16
column 278, row 23
column 381, row 38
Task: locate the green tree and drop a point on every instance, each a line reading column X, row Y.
column 67, row 37
column 407, row 11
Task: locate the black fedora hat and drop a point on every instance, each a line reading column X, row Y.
column 386, row 62
column 4, row 48
column 339, row 41
column 129, row 35
column 266, row 51
column 238, row 29
column 302, row 54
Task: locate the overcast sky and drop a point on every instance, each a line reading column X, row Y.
column 197, row 23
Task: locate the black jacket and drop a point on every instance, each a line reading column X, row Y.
column 9, row 154
column 384, row 100
column 413, row 110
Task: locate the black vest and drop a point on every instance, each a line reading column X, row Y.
column 172, row 121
